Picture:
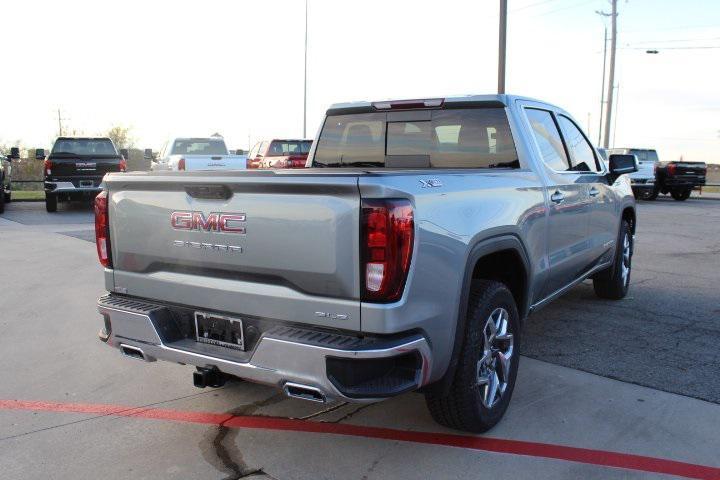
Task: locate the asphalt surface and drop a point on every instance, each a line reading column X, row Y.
column 666, row 333
column 71, row 407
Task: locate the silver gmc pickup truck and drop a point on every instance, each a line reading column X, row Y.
column 407, row 257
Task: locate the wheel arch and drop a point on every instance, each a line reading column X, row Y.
column 628, row 214
column 484, row 262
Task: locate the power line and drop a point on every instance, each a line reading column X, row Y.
column 684, row 27
column 675, row 40
column 705, row 47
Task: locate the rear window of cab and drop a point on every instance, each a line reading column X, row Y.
column 452, row 138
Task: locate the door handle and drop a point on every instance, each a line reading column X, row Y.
column 594, row 192
column 557, row 197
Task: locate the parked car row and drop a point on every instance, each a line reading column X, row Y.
column 678, row 178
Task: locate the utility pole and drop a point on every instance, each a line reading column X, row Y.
column 502, row 46
column 617, row 100
column 60, row 130
column 602, row 89
column 611, row 75
column 305, row 79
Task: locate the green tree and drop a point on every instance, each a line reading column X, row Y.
column 121, row 137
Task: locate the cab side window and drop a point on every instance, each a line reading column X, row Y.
column 548, row 138
column 582, row 155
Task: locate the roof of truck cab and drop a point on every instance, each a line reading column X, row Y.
column 499, row 100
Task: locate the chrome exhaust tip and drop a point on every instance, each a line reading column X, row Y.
column 135, row 352
column 304, row 392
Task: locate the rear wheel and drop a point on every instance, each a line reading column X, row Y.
column 51, row 202
column 488, row 364
column 2, row 199
column 614, row 282
column 681, row 195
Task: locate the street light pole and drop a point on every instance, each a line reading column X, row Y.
column 502, row 46
column 305, row 77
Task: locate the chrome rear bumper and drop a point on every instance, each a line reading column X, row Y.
column 130, row 326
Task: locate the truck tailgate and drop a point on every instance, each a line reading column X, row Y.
column 250, row 243
column 214, row 162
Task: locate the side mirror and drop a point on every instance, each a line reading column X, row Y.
column 621, row 164
column 125, row 153
column 14, row 153
column 39, row 154
column 148, row 154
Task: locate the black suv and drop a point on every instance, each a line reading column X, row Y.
column 76, row 166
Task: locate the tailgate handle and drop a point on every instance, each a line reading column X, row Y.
column 209, row 192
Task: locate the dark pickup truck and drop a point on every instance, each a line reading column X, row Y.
column 679, row 179
column 76, row 166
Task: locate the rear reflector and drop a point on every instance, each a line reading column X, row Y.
column 123, row 165
column 406, row 104
column 102, row 229
column 671, row 168
column 387, row 234
column 181, row 164
column 47, row 165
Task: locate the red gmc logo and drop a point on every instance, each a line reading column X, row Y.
column 214, row 222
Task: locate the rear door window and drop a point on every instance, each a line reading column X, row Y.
column 548, row 138
column 453, row 138
column 582, row 156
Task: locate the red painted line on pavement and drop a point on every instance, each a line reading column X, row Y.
column 498, row 445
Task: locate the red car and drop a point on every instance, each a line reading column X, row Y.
column 279, row 153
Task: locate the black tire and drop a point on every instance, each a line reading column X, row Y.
column 464, row 407
column 681, row 195
column 653, row 194
column 51, row 202
column 614, row 282
column 2, row 199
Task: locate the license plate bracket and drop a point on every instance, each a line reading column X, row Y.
column 219, row 330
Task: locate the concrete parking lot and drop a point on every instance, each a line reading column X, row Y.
column 625, row 389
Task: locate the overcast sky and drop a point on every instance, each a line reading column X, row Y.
column 236, row 67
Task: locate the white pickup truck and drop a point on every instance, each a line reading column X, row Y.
column 186, row 153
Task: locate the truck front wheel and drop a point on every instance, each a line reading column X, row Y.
column 614, row 282
column 488, row 364
column 681, row 195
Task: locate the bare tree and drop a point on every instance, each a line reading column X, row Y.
column 121, row 137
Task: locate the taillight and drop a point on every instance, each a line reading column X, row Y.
column 123, row 165
column 47, row 165
column 102, row 229
column 387, row 233
column 181, row 164
column 671, row 168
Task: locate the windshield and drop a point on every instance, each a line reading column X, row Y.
column 84, row 146
column 288, row 147
column 453, row 138
column 199, row 146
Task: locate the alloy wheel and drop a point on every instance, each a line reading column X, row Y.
column 626, row 254
column 495, row 364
